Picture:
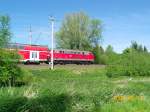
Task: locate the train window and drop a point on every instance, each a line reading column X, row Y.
column 61, row 52
column 34, row 54
column 83, row 53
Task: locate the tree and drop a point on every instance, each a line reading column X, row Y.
column 145, row 49
column 97, row 54
column 9, row 71
column 78, row 31
column 102, row 50
column 134, row 45
column 137, row 47
column 96, row 32
column 111, row 55
column 127, row 50
column 140, row 48
column 4, row 30
column 109, row 49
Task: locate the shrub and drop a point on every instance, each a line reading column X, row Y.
column 130, row 64
column 99, row 55
column 9, row 71
column 111, row 58
column 11, row 104
column 25, row 78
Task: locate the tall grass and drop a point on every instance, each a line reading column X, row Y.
column 76, row 89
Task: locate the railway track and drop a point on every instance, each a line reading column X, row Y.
column 67, row 66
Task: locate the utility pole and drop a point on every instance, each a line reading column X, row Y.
column 52, row 43
column 30, row 35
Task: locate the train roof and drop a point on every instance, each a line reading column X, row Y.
column 22, row 46
column 71, row 50
column 38, row 47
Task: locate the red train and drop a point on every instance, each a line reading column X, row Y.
column 38, row 54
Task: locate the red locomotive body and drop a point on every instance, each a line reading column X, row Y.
column 38, row 54
column 73, row 56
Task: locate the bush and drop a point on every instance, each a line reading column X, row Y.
column 11, row 104
column 99, row 55
column 130, row 64
column 9, row 71
column 25, row 78
column 111, row 58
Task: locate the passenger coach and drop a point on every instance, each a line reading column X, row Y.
column 39, row 54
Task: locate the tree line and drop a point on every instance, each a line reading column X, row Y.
column 79, row 31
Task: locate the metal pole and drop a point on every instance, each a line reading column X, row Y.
column 52, row 43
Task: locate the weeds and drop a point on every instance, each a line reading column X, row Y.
column 62, row 90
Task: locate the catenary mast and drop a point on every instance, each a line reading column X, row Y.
column 52, row 43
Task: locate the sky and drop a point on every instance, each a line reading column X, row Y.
column 123, row 20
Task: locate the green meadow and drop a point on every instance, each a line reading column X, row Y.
column 76, row 88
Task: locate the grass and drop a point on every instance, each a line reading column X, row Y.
column 73, row 88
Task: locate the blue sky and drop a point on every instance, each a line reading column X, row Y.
column 123, row 20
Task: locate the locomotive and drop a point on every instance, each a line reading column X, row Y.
column 42, row 54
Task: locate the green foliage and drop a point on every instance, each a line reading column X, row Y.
column 137, row 47
column 75, row 89
column 59, row 90
column 51, row 103
column 134, row 61
column 131, row 106
column 9, row 70
column 127, row 50
column 105, row 57
column 131, row 63
column 25, row 78
column 110, row 56
column 145, row 49
column 98, row 53
column 11, row 104
column 78, row 31
column 109, row 50
column 4, row 30
column 96, row 32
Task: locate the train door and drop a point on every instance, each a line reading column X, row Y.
column 34, row 56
